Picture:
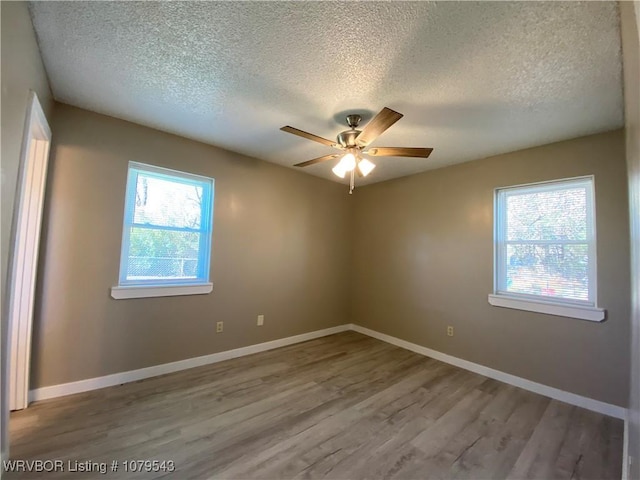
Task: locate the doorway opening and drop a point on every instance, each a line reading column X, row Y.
column 23, row 270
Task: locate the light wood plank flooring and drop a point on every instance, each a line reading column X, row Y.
column 344, row 407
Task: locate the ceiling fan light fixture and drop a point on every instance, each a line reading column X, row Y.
column 348, row 162
column 365, row 167
column 339, row 171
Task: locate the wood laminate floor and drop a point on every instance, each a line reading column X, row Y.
column 344, row 407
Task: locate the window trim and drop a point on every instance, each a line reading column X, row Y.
column 166, row 287
column 593, row 314
column 144, row 291
column 585, row 310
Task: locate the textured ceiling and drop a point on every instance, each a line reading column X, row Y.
column 472, row 79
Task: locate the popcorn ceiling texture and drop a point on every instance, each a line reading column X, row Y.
column 473, row 79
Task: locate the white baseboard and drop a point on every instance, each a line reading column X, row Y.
column 547, row 391
column 142, row 373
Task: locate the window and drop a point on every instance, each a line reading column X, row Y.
column 545, row 249
column 166, row 237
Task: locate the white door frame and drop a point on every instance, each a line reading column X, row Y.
column 29, row 202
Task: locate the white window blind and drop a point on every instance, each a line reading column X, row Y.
column 545, row 242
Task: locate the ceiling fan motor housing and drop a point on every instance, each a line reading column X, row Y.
column 347, row 138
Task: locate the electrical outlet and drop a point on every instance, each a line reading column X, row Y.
column 450, row 331
column 219, row 327
column 260, row 320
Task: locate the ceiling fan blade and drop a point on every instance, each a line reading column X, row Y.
column 309, row 136
column 399, row 152
column 378, row 125
column 317, row 160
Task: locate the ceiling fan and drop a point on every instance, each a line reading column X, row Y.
column 354, row 142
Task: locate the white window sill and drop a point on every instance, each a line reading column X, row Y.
column 144, row 291
column 573, row 311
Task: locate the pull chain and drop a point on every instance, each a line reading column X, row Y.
column 352, row 181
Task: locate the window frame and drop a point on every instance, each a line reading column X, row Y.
column 501, row 297
column 170, row 286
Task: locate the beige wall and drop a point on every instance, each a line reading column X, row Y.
column 630, row 21
column 424, row 260
column 22, row 70
column 280, row 248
